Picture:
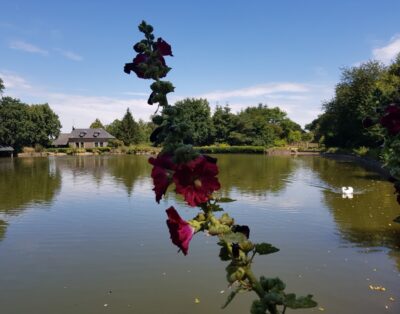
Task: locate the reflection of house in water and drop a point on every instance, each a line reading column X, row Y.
column 6, row 151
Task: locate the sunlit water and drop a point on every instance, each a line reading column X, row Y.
column 84, row 235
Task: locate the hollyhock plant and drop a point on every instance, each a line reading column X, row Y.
column 391, row 119
column 196, row 180
column 163, row 47
column 180, row 230
column 161, row 174
column 195, row 177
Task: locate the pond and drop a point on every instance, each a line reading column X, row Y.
column 84, row 235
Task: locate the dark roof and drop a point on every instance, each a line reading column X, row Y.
column 6, row 148
column 90, row 134
column 62, row 139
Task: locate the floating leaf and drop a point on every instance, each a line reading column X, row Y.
column 299, row 303
column 226, row 200
column 265, row 248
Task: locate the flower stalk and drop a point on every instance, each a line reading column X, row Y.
column 195, row 178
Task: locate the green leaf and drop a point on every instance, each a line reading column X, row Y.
column 257, row 307
column 299, row 303
column 273, row 298
column 397, row 219
column 226, row 200
column 233, row 237
column 230, row 298
column 224, row 254
column 275, row 284
column 265, row 248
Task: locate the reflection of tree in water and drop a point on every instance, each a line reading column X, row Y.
column 367, row 219
column 3, row 226
column 254, row 174
column 127, row 169
column 95, row 166
column 27, row 181
column 24, row 182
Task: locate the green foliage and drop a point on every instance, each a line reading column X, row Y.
column 361, row 151
column 96, row 124
column 265, row 248
column 1, row 86
column 231, row 149
column 23, row 125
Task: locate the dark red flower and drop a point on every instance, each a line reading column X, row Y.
column 391, row 119
column 163, row 47
column 180, row 230
column 135, row 65
column 161, row 174
column 196, row 180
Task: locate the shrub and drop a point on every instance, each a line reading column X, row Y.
column 231, row 149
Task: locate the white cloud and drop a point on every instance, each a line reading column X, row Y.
column 27, row 47
column 69, row 54
column 302, row 102
column 13, row 81
column 257, row 91
column 387, row 53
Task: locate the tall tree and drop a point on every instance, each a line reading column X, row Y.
column 23, row 125
column 129, row 129
column 196, row 114
column 1, row 86
column 96, row 124
column 224, row 123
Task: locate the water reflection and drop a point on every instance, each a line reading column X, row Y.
column 27, row 181
column 367, row 219
column 254, row 174
column 3, row 226
column 128, row 169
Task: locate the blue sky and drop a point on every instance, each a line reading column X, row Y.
column 281, row 53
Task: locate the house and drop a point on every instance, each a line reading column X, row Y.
column 6, row 151
column 84, row 138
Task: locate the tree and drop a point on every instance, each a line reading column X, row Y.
column 1, row 86
column 129, row 129
column 223, row 124
column 22, row 125
column 96, row 124
column 196, row 114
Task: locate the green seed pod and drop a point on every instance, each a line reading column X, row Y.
column 246, row 246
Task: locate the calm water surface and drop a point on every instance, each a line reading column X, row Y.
column 79, row 233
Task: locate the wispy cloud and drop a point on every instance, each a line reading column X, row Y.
column 388, row 52
column 302, row 102
column 14, row 81
column 69, row 54
column 256, row 91
column 27, row 47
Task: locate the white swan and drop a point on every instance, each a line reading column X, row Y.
column 347, row 192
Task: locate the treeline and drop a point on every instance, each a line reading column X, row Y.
column 360, row 94
column 26, row 125
column 253, row 126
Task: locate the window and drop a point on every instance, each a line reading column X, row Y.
column 77, row 144
column 96, row 144
column 82, row 144
column 101, row 144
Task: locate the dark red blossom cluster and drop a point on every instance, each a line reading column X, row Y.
column 391, row 119
column 149, row 63
column 196, row 179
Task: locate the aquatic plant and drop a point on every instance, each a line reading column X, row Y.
column 195, row 178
